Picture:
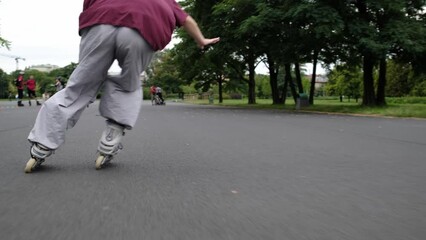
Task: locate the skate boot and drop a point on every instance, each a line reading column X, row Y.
column 38, row 154
column 38, row 103
column 29, row 102
column 109, row 144
column 20, row 104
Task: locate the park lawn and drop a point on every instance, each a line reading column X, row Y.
column 410, row 110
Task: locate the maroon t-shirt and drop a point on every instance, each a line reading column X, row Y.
column 155, row 20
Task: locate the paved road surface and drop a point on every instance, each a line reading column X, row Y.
column 199, row 172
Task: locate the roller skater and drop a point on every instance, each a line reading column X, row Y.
column 31, row 89
column 38, row 153
column 126, row 31
column 110, row 143
column 19, row 83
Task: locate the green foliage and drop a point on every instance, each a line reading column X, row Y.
column 5, row 82
column 406, row 100
column 263, row 86
column 344, row 80
column 163, row 72
column 4, row 43
column 189, row 89
column 64, row 72
column 404, row 81
column 400, row 82
column 419, row 88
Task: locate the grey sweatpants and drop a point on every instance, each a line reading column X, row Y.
column 121, row 95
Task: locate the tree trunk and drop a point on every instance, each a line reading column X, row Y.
column 289, row 80
column 252, row 82
column 220, row 82
column 314, row 76
column 298, row 78
column 380, row 100
column 368, row 98
column 273, row 80
column 285, row 87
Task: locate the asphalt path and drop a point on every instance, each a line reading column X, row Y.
column 196, row 172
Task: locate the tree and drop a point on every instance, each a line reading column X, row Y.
column 399, row 79
column 378, row 29
column 263, row 86
column 243, row 37
column 344, row 80
column 283, row 33
column 208, row 66
column 4, row 43
column 64, row 72
column 319, row 29
column 163, row 72
column 5, row 81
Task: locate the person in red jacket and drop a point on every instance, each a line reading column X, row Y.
column 152, row 92
column 31, row 89
column 19, row 83
column 130, row 32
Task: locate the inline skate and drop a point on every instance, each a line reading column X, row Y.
column 38, row 154
column 109, row 144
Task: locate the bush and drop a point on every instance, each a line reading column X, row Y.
column 419, row 90
column 235, row 96
column 146, row 93
column 172, row 96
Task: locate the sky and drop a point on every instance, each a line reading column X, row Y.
column 45, row 32
column 42, row 32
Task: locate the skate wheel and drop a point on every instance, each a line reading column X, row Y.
column 30, row 165
column 99, row 162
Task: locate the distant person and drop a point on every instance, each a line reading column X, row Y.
column 159, row 93
column 152, row 92
column 10, row 96
column 130, row 32
column 58, row 85
column 19, row 83
column 31, row 89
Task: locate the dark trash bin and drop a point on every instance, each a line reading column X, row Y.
column 302, row 101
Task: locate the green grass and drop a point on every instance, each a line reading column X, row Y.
column 396, row 107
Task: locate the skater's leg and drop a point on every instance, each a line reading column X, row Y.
column 30, row 96
column 133, row 55
column 120, row 106
column 110, row 142
column 34, row 96
column 63, row 109
column 20, row 97
column 122, row 94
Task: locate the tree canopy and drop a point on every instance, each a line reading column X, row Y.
column 376, row 46
column 364, row 34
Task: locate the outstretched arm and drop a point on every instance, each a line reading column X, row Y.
column 191, row 27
